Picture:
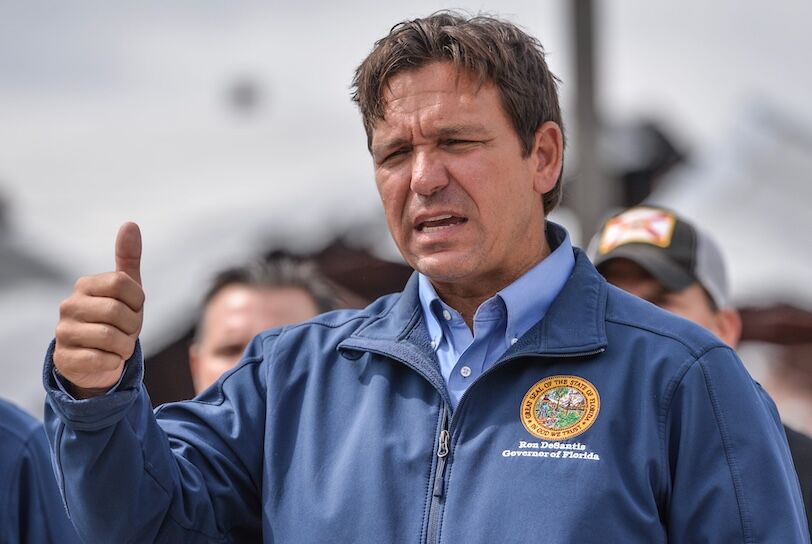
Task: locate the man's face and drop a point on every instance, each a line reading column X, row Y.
column 233, row 317
column 462, row 203
column 692, row 303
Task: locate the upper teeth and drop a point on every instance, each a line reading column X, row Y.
column 439, row 218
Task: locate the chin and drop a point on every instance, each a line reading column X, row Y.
column 443, row 268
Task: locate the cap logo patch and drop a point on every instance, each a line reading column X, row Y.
column 640, row 225
column 560, row 407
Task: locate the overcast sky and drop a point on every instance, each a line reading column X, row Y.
column 120, row 108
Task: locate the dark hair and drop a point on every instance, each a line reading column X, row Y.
column 275, row 273
column 492, row 49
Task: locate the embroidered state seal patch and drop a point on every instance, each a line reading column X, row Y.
column 560, row 407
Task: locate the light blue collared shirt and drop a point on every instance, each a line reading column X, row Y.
column 499, row 322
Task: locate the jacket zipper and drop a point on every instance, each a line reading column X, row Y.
column 443, row 444
column 444, row 439
column 438, row 492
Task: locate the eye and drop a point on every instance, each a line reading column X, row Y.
column 670, row 301
column 457, row 143
column 394, row 155
column 230, row 350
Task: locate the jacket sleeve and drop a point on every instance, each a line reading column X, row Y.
column 190, row 472
column 732, row 478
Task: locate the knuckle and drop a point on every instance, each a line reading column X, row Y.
column 62, row 332
column 80, row 284
column 85, row 284
column 66, row 306
column 120, row 280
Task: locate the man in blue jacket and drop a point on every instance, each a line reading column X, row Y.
column 507, row 394
column 30, row 506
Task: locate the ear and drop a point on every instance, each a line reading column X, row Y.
column 548, row 155
column 729, row 325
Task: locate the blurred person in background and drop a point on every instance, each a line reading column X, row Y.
column 246, row 300
column 31, row 508
column 506, row 394
column 664, row 259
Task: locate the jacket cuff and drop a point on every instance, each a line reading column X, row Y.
column 97, row 412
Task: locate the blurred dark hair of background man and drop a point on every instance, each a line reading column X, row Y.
column 662, row 258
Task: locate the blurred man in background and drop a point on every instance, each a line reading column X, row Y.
column 31, row 508
column 246, row 300
column 662, row 258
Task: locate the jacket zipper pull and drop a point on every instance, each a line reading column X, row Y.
column 442, row 453
column 442, row 449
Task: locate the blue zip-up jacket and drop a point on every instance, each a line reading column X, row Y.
column 31, row 509
column 610, row 421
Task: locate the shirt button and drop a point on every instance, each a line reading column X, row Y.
column 434, row 344
column 465, row 371
column 513, row 341
column 446, row 315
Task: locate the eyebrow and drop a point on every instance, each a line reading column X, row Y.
column 452, row 131
column 458, row 130
column 385, row 146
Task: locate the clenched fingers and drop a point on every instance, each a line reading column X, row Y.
column 117, row 285
column 98, row 336
column 97, row 330
column 87, row 309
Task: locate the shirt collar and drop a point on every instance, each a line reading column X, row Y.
column 430, row 303
column 526, row 300
column 529, row 297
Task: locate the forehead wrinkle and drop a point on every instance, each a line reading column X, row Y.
column 388, row 134
column 443, row 132
column 407, row 117
column 429, row 126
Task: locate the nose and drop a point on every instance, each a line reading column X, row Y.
column 429, row 174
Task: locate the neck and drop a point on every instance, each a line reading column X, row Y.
column 468, row 296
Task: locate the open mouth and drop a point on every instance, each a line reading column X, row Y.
column 439, row 223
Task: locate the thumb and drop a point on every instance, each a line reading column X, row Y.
column 128, row 251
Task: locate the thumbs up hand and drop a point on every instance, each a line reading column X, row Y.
column 100, row 322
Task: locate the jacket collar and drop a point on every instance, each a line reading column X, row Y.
column 574, row 324
column 399, row 332
column 576, row 321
